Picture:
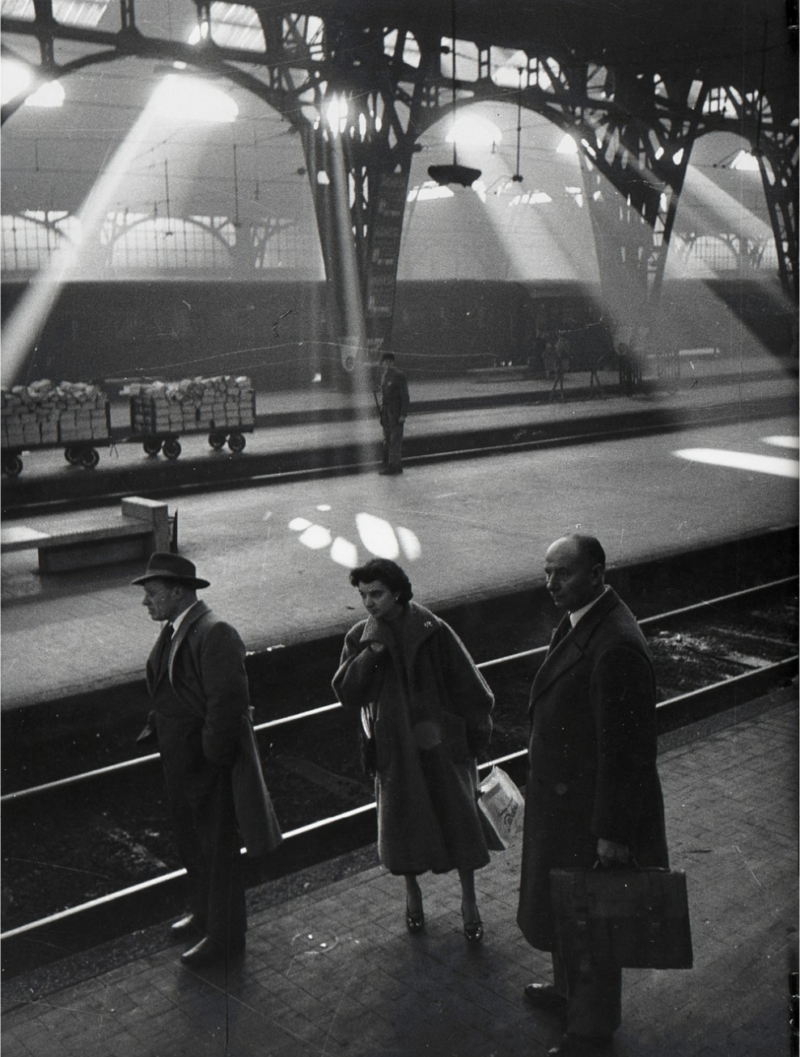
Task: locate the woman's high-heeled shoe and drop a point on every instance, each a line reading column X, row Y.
column 473, row 929
column 415, row 922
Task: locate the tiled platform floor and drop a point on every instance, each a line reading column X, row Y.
column 330, row 969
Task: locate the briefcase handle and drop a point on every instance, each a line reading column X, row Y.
column 631, row 864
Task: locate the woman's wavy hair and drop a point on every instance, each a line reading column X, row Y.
column 389, row 573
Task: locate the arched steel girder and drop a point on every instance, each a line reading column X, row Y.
column 631, row 127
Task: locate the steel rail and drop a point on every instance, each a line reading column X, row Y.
column 272, row 724
column 693, row 696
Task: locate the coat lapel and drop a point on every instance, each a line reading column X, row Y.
column 156, row 669
column 567, row 651
column 199, row 609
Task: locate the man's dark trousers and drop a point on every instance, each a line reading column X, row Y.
column 393, row 443
column 201, row 803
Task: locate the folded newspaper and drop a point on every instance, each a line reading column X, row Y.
column 502, row 804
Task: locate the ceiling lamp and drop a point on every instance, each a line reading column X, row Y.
column 454, row 173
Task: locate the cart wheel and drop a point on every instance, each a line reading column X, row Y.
column 90, row 457
column 12, row 465
column 172, row 448
column 151, row 446
column 72, row 456
column 236, row 442
column 217, row 441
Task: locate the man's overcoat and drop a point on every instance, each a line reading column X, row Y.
column 592, row 757
column 394, row 397
column 206, row 670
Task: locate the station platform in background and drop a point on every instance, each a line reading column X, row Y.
column 318, row 427
column 501, row 385
column 468, row 529
column 330, row 969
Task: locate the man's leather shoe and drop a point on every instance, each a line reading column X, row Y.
column 212, row 952
column 581, row 1046
column 545, row 996
column 189, row 925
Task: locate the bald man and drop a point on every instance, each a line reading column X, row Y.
column 593, row 793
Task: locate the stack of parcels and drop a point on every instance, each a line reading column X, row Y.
column 193, row 404
column 42, row 414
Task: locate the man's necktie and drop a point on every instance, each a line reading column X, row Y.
column 166, row 642
column 561, row 632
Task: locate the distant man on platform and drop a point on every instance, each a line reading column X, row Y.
column 593, row 793
column 202, row 718
column 393, row 410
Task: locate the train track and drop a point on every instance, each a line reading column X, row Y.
column 77, row 840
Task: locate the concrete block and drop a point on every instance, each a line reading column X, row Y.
column 152, row 512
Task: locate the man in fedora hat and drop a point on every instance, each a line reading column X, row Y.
column 203, row 722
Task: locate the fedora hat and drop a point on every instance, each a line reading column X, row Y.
column 166, row 566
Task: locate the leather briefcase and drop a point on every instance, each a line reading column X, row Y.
column 637, row 918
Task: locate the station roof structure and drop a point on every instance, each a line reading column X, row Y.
column 52, row 157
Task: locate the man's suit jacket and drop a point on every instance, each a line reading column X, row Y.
column 592, row 756
column 206, row 670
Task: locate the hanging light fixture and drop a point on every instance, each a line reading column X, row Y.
column 454, row 173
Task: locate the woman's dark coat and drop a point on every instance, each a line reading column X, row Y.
column 592, row 757
column 432, row 717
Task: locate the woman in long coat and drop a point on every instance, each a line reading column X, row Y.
column 430, row 713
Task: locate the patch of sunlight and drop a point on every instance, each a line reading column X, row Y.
column 783, row 442
column 316, row 537
column 344, row 553
column 377, row 535
column 409, row 542
column 741, row 460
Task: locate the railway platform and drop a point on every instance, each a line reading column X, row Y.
column 318, row 430
column 276, row 554
column 330, row 969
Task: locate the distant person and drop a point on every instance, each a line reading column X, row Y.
column 560, row 361
column 202, row 719
column 596, row 361
column 393, row 411
column 593, row 793
column 630, row 370
column 430, row 710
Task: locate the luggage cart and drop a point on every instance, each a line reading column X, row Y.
column 79, row 442
column 160, row 424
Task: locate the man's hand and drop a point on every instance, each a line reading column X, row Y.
column 609, row 852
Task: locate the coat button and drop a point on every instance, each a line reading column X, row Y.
column 561, row 789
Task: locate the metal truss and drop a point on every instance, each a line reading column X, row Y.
column 361, row 106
